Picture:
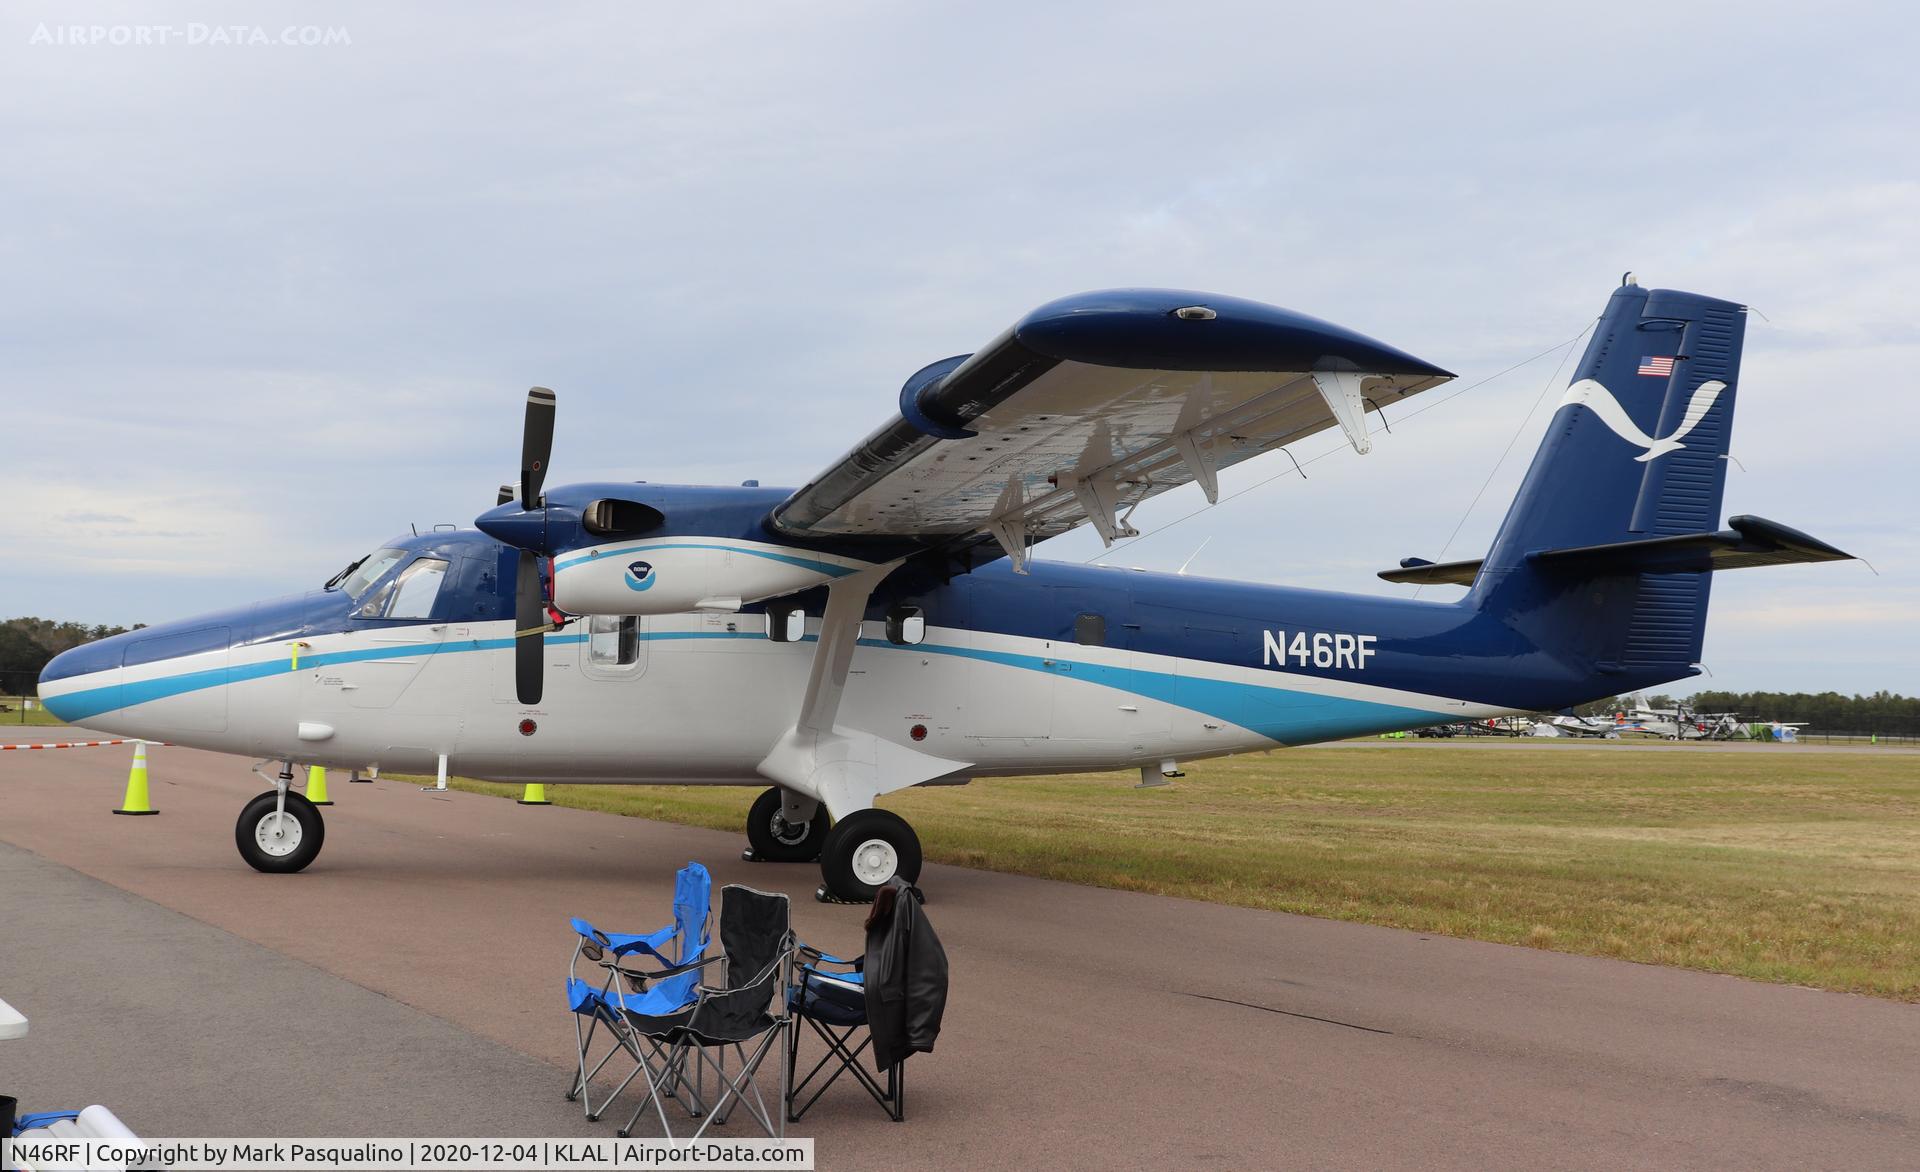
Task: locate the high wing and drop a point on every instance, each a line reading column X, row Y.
column 1093, row 403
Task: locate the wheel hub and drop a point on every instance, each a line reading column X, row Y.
column 785, row 831
column 875, row 861
column 278, row 834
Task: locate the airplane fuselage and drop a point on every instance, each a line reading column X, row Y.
column 1066, row 668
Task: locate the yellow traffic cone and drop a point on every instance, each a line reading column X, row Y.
column 536, row 795
column 137, row 800
column 317, row 785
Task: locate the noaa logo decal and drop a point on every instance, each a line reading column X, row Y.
column 640, row 576
column 1597, row 399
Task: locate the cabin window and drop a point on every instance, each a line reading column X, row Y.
column 410, row 595
column 1090, row 630
column 786, row 624
column 906, row 625
column 613, row 640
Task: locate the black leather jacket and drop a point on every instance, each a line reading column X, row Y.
column 906, row 975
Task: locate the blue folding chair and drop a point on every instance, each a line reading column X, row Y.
column 627, row 987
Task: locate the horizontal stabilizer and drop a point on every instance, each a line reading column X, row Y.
column 1420, row 572
column 1750, row 541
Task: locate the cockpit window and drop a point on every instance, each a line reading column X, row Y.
column 358, row 577
column 411, row 593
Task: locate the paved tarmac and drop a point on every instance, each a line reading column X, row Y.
column 409, row 983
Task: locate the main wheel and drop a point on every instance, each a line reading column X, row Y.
column 866, row 849
column 776, row 840
column 279, row 844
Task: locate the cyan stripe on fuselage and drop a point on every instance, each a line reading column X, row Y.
column 1280, row 714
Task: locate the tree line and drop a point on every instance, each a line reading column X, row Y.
column 1881, row 711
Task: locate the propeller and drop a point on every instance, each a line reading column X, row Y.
column 536, row 446
column 523, row 519
column 530, row 626
column 530, row 621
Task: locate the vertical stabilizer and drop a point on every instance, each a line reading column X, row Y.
column 1636, row 449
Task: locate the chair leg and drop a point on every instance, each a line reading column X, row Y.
column 786, row 1075
column 734, row 1088
column 891, row 1096
column 653, row 1095
column 788, row 1091
column 579, row 1083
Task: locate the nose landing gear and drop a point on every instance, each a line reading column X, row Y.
column 280, row 831
column 279, row 840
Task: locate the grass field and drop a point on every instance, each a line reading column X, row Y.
column 18, row 714
column 1796, row 867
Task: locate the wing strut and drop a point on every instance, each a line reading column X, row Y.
column 820, row 758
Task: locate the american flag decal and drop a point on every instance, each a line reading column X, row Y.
column 1654, row 364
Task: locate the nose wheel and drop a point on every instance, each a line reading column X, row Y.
column 864, row 851
column 279, row 841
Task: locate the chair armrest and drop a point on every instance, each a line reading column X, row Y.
column 676, row 970
column 626, row 944
column 813, row 955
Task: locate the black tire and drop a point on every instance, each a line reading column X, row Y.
column 775, row 840
column 857, row 843
column 249, row 832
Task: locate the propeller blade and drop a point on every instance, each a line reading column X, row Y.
column 506, row 494
column 529, row 629
column 536, row 446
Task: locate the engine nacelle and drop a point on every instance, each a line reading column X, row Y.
column 676, row 575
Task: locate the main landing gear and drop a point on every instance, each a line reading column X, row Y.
column 864, row 851
column 280, row 831
column 773, row 837
column 857, row 854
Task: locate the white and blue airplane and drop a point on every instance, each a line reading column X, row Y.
column 885, row 626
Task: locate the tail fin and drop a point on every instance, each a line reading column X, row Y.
column 1635, row 451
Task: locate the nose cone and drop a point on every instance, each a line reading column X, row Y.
column 156, row 682
column 83, row 683
column 511, row 525
column 543, row 530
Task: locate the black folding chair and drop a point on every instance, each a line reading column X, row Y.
column 835, row 1005
column 758, row 944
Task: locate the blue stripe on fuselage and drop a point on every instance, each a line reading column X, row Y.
column 78, row 706
column 1279, row 714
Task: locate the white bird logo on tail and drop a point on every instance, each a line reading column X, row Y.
column 1597, row 399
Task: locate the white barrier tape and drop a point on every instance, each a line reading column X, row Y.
column 82, row 744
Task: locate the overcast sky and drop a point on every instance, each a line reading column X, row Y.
column 268, row 304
